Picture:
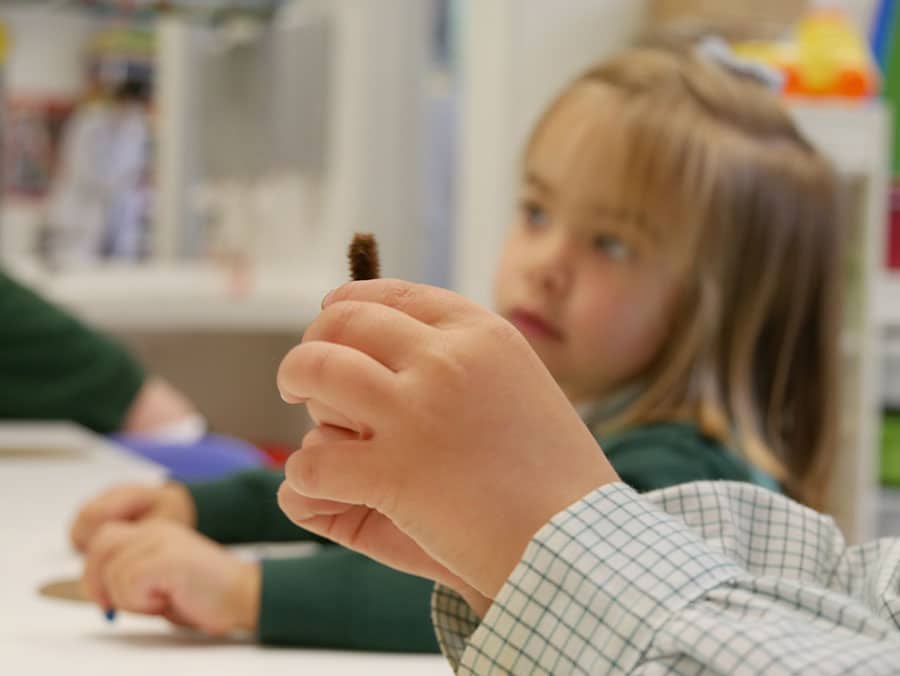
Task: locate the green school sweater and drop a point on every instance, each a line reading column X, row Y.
column 52, row 367
column 337, row 598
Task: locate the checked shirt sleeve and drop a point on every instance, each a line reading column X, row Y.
column 708, row 578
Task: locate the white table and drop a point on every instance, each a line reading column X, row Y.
column 39, row 493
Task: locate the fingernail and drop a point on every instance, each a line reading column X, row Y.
column 329, row 296
column 110, row 614
column 291, row 399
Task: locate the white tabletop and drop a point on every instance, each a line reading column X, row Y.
column 46, row 471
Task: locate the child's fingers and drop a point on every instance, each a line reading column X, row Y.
column 119, row 504
column 300, row 508
column 348, row 471
column 367, row 531
column 340, row 377
column 341, row 522
column 323, row 434
column 344, row 529
column 132, row 579
column 82, row 530
column 175, row 616
column 326, row 415
column 108, row 541
column 382, row 332
column 428, row 304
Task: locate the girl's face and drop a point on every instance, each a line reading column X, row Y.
column 583, row 282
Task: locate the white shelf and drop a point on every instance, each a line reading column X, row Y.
column 855, row 137
column 188, row 297
column 887, row 300
column 376, row 61
column 848, row 132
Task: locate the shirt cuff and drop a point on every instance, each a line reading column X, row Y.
column 592, row 589
column 234, row 509
column 454, row 622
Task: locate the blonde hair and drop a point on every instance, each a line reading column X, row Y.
column 721, row 176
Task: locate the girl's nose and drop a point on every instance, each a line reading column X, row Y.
column 550, row 267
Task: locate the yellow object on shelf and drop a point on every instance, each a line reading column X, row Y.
column 4, row 42
column 825, row 57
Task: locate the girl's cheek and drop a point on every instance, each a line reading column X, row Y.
column 625, row 314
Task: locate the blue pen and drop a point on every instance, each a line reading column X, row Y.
column 110, row 614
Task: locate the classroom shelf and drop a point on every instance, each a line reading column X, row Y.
column 855, row 137
column 167, row 297
column 365, row 64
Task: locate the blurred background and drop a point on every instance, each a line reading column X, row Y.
column 186, row 174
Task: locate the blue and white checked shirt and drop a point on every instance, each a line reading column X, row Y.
column 703, row 578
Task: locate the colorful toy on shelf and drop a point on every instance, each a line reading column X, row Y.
column 121, row 51
column 3, row 42
column 826, row 56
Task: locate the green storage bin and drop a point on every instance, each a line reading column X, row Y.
column 890, row 450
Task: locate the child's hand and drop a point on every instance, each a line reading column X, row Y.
column 162, row 568
column 463, row 446
column 387, row 544
column 132, row 502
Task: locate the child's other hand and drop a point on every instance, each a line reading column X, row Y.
column 162, row 568
column 157, row 405
column 461, row 447
column 132, row 502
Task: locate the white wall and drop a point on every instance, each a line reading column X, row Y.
column 44, row 44
column 861, row 11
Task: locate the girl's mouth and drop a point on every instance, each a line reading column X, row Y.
column 532, row 325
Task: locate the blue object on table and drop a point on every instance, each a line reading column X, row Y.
column 883, row 28
column 211, row 457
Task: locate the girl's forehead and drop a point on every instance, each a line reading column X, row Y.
column 578, row 149
column 582, row 158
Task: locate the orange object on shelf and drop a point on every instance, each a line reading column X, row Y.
column 826, row 56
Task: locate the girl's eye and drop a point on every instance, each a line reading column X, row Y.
column 533, row 215
column 612, row 247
